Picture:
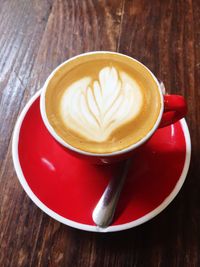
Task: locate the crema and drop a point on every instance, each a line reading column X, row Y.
column 102, row 103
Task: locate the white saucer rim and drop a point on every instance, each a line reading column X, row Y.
column 86, row 227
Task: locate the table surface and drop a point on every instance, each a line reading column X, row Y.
column 36, row 36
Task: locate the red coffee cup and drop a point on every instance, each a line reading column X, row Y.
column 173, row 108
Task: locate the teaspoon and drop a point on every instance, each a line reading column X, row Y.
column 104, row 211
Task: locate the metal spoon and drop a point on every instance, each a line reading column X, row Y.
column 105, row 209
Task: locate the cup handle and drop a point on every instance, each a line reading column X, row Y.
column 175, row 108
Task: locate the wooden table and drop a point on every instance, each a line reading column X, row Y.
column 37, row 35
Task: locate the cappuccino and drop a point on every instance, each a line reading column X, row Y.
column 103, row 102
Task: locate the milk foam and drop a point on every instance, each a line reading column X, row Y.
column 95, row 108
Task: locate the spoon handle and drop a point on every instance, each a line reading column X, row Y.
column 105, row 209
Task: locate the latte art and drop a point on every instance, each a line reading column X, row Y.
column 102, row 102
column 96, row 108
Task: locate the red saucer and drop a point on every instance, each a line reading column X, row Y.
column 68, row 188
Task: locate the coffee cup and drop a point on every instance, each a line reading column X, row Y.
column 101, row 106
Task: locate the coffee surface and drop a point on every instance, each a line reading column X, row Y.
column 102, row 103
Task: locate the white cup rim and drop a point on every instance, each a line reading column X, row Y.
column 92, row 154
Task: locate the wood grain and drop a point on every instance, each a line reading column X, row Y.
column 35, row 36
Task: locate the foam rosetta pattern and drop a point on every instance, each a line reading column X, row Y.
column 94, row 109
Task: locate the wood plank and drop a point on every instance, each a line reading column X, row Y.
column 66, row 29
column 22, row 25
column 165, row 36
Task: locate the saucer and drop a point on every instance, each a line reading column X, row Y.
column 68, row 189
